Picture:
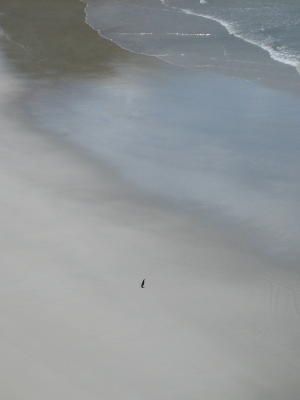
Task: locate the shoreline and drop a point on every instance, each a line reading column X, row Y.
column 216, row 318
column 115, row 69
column 248, row 60
column 48, row 106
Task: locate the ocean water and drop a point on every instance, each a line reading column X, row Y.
column 221, row 149
column 203, row 142
column 176, row 31
column 223, row 142
column 274, row 25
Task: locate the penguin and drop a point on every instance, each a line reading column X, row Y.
column 143, row 284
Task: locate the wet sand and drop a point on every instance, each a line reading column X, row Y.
column 216, row 320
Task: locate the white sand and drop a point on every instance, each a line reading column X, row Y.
column 214, row 322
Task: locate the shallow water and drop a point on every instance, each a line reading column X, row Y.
column 272, row 25
column 240, row 39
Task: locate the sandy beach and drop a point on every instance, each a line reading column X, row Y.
column 82, row 226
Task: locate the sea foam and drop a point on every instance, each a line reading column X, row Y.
column 283, row 56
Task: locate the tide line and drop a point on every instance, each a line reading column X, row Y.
column 167, row 34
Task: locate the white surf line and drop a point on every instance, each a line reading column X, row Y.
column 167, row 33
column 189, row 34
column 230, row 29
